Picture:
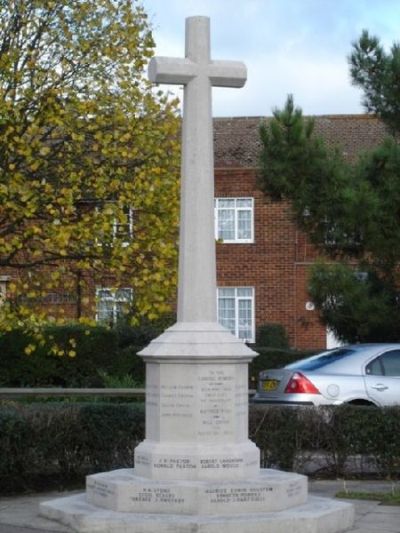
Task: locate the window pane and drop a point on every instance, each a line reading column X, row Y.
column 120, row 309
column 318, row 361
column 374, row 368
column 105, row 309
column 226, row 313
column 227, row 292
column 103, row 294
column 226, row 202
column 244, row 291
column 123, row 295
column 245, row 319
column 226, row 224
column 244, row 224
column 244, row 202
column 391, row 363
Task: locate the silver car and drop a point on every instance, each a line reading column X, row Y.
column 361, row 374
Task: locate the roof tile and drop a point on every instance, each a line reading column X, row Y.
column 237, row 142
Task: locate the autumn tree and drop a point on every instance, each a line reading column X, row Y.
column 88, row 156
column 350, row 212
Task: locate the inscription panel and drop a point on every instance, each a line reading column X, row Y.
column 294, row 489
column 177, row 411
column 221, row 463
column 102, row 489
column 216, row 386
column 177, row 400
column 239, row 494
column 158, row 496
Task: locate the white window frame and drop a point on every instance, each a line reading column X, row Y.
column 236, row 219
column 114, row 300
column 237, row 298
column 4, row 281
column 128, row 224
column 114, row 228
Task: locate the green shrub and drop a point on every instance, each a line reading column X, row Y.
column 125, row 381
column 94, row 349
column 43, row 446
column 126, row 361
column 273, row 336
column 145, row 332
column 344, row 438
column 48, row 445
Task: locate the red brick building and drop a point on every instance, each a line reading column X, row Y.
column 264, row 259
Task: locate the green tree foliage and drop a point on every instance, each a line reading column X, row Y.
column 378, row 75
column 88, row 156
column 350, row 212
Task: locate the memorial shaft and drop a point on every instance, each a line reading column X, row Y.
column 198, row 73
column 197, row 266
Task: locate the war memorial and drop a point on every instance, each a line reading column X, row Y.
column 197, row 470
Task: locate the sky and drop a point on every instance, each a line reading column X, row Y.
column 297, row 47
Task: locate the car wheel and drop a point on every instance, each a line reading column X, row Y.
column 361, row 402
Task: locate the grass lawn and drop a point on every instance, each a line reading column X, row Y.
column 384, row 498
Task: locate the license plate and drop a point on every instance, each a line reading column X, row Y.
column 270, row 385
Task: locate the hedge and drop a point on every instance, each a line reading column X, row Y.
column 336, row 441
column 44, row 446
column 98, row 350
column 273, row 335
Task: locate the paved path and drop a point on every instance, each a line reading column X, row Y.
column 19, row 514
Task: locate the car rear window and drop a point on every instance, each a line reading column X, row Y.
column 319, row 361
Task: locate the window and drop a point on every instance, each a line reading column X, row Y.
column 236, row 311
column 123, row 229
column 121, row 225
column 315, row 362
column 388, row 364
column 4, row 280
column 112, row 304
column 234, row 219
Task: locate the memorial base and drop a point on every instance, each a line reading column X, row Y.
column 318, row 515
column 273, row 502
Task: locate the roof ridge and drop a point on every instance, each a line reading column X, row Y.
column 346, row 116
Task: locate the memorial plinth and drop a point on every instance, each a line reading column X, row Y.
column 196, row 470
column 197, row 406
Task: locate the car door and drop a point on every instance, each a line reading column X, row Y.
column 382, row 378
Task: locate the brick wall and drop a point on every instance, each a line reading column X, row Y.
column 276, row 264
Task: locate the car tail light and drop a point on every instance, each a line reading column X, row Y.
column 300, row 384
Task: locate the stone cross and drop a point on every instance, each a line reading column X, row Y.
column 198, row 73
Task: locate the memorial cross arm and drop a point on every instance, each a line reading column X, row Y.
column 171, row 70
column 180, row 71
column 227, row 74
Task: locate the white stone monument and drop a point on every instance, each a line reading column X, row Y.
column 197, row 470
